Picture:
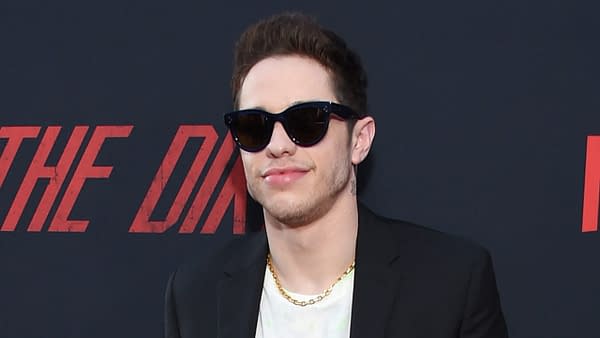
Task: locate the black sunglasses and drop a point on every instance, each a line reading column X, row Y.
column 305, row 123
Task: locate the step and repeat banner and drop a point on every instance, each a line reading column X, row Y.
column 115, row 165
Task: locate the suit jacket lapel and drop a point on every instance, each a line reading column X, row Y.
column 375, row 282
column 240, row 289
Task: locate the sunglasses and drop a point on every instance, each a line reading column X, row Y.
column 305, row 123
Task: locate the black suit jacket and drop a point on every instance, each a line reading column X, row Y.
column 409, row 282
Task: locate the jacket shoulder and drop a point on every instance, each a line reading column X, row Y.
column 431, row 239
column 422, row 245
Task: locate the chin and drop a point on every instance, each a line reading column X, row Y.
column 299, row 213
column 292, row 213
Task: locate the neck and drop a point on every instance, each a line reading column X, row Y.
column 308, row 258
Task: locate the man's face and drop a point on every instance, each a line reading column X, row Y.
column 294, row 184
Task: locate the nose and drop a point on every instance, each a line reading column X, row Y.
column 280, row 144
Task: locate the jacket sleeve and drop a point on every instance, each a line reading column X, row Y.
column 482, row 317
column 171, row 321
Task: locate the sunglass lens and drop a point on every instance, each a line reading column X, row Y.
column 253, row 131
column 307, row 125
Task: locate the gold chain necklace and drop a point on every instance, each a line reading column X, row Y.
column 312, row 300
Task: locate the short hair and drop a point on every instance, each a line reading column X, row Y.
column 300, row 34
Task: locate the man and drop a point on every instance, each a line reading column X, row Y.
column 325, row 266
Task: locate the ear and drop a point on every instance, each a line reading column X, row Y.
column 363, row 134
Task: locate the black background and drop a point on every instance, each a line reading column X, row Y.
column 482, row 111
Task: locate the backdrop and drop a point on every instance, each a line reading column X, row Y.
column 115, row 165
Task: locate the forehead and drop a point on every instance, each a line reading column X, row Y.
column 280, row 81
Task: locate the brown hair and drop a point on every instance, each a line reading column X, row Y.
column 296, row 33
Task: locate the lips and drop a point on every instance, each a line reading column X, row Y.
column 284, row 176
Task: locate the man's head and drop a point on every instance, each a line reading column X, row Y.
column 282, row 62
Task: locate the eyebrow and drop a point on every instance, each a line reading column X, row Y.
column 292, row 104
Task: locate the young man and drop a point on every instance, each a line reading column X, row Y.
column 325, row 266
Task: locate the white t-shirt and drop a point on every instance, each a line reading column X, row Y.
column 330, row 318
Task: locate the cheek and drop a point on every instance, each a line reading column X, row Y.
column 248, row 162
column 335, row 157
column 341, row 143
